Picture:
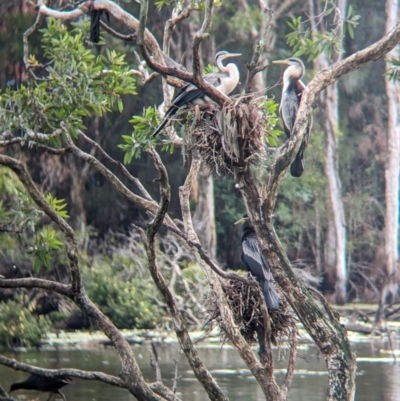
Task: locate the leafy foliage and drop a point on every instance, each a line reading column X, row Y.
column 22, row 216
column 210, row 69
column 74, row 84
column 59, row 205
column 312, row 43
column 270, row 108
column 10, row 185
column 18, row 326
column 23, row 212
column 393, row 71
column 351, row 21
column 46, row 242
column 140, row 139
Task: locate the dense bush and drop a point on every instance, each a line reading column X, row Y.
column 18, row 326
column 127, row 301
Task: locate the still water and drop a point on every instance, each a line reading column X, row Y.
column 378, row 378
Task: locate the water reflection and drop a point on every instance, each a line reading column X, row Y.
column 375, row 380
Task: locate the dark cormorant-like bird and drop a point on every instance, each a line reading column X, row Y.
column 95, row 16
column 292, row 91
column 254, row 261
column 226, row 81
column 44, row 384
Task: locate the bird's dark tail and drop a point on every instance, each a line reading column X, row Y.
column 170, row 112
column 95, row 17
column 270, row 294
column 297, row 167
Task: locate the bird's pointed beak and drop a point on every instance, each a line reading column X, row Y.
column 240, row 221
column 282, row 62
column 233, row 55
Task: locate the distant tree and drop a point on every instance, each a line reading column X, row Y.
column 392, row 170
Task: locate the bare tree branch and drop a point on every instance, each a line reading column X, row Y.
column 203, row 33
column 176, row 377
column 154, row 361
column 30, row 282
column 124, row 170
column 172, row 22
column 81, row 374
column 253, row 67
column 293, row 340
column 25, row 37
column 116, row 182
column 199, row 369
column 128, row 38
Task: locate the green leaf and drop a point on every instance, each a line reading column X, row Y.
column 120, row 105
column 59, row 205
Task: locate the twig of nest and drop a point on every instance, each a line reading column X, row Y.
column 244, row 303
column 228, row 138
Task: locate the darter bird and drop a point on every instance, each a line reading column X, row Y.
column 254, row 261
column 292, row 91
column 225, row 81
column 95, row 16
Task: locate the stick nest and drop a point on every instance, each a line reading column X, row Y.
column 243, row 301
column 228, row 138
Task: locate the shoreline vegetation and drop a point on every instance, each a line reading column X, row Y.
column 358, row 331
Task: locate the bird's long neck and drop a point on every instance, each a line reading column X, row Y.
column 291, row 76
column 247, row 229
column 230, row 83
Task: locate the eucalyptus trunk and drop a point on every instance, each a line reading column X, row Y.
column 392, row 166
column 204, row 215
column 328, row 109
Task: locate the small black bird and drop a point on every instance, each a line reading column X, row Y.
column 44, row 384
column 254, row 261
column 293, row 88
